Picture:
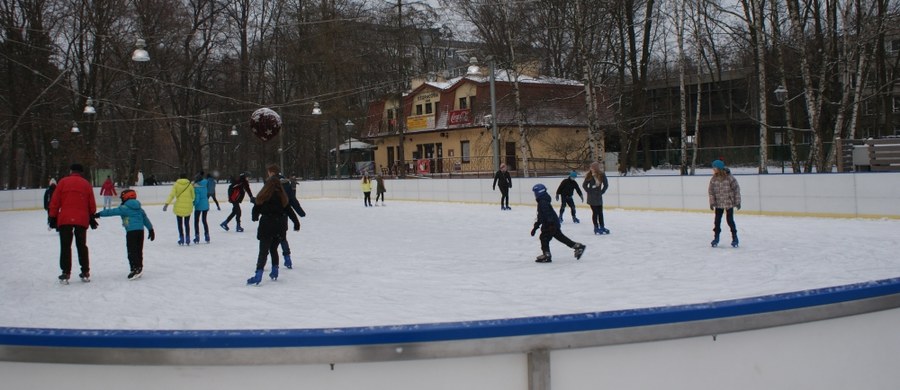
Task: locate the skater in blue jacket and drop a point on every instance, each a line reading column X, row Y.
column 134, row 220
column 548, row 222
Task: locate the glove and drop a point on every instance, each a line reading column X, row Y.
column 296, row 227
column 534, row 229
column 96, row 216
column 52, row 222
column 738, row 206
column 302, row 213
column 711, row 207
column 152, row 235
column 252, row 199
column 93, row 223
column 165, row 207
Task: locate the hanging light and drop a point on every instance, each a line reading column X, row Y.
column 75, row 127
column 781, row 93
column 140, row 55
column 54, row 143
column 234, row 131
column 316, row 110
column 89, row 107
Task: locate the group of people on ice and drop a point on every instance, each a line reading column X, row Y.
column 724, row 197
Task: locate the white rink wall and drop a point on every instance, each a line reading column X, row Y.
column 870, row 195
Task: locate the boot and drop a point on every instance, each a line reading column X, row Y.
column 206, row 236
column 274, row 273
column 544, row 258
column 734, row 239
column 224, row 226
column 257, row 277
column 560, row 217
column 287, row 262
column 715, row 241
column 180, row 239
column 579, row 250
column 575, row 219
column 239, row 229
column 196, row 239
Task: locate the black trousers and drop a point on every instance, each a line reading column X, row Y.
column 184, row 227
column 213, row 196
column 597, row 215
column 235, row 213
column 79, row 234
column 200, row 215
column 367, row 198
column 567, row 201
column 504, row 197
column 729, row 219
column 267, row 246
column 379, row 195
column 134, row 243
column 549, row 234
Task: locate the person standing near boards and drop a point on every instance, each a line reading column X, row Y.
column 595, row 184
column 504, row 181
column 724, row 197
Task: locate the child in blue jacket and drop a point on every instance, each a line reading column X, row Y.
column 548, row 222
column 134, row 220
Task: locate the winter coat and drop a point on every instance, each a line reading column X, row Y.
column 244, row 187
column 47, row 195
column 201, row 200
column 108, row 188
column 547, row 219
column 724, row 191
column 133, row 216
column 567, row 187
column 184, row 197
column 594, row 191
column 366, row 185
column 291, row 192
column 73, row 201
column 272, row 217
column 502, row 177
column 210, row 186
column 380, row 182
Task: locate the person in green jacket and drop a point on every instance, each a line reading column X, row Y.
column 183, row 194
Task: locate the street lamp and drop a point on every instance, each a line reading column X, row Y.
column 75, row 128
column 89, row 107
column 349, row 126
column 140, row 54
column 781, row 94
column 495, row 134
column 234, row 132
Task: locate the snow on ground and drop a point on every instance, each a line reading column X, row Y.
column 418, row 262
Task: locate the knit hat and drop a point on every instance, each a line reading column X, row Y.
column 573, row 174
column 76, row 168
column 718, row 164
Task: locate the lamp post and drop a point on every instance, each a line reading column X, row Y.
column 349, row 126
column 495, row 134
column 54, row 143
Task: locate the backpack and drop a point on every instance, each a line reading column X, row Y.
column 234, row 193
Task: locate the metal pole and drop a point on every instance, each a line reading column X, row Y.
column 281, row 150
column 495, row 136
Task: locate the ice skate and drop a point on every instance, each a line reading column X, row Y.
column 135, row 274
column 734, row 240
column 544, row 258
column 603, row 230
column 239, row 229
column 579, row 250
column 576, row 220
column 256, row 278
column 223, row 225
column 287, row 262
column 274, row 273
column 180, row 240
column 64, row 279
column 206, row 236
column 85, row 277
column 196, row 239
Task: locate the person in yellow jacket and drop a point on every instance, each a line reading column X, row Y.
column 366, row 185
column 183, row 193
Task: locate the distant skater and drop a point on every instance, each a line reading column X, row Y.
column 236, row 190
column 107, row 191
column 183, row 194
column 595, row 184
column 366, row 186
column 724, row 197
column 504, row 181
column 211, row 189
column 201, row 207
column 548, row 222
column 379, row 192
column 566, row 190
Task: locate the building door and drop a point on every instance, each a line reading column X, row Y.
column 429, row 155
column 510, row 156
column 390, row 160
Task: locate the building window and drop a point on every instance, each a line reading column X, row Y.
column 896, row 104
column 428, row 109
column 418, row 109
column 895, row 45
column 465, row 153
column 869, row 108
column 463, row 103
column 471, row 101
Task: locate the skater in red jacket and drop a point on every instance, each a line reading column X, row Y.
column 71, row 209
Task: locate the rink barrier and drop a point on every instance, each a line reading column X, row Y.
column 842, row 195
column 531, row 335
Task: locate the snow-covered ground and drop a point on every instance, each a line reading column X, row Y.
column 418, row 262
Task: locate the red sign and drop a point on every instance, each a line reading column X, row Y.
column 459, row 117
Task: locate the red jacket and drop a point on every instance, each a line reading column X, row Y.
column 73, row 201
column 108, row 188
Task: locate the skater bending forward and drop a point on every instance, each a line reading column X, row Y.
column 548, row 222
column 724, row 196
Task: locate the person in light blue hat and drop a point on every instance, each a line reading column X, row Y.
column 566, row 190
column 724, row 197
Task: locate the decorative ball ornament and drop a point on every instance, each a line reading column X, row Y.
column 265, row 123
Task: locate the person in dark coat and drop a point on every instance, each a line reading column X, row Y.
column 236, row 190
column 504, row 181
column 290, row 188
column 548, row 222
column 566, row 190
column 271, row 209
column 48, row 193
column 595, row 185
column 71, row 211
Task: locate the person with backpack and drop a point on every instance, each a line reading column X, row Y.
column 239, row 185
